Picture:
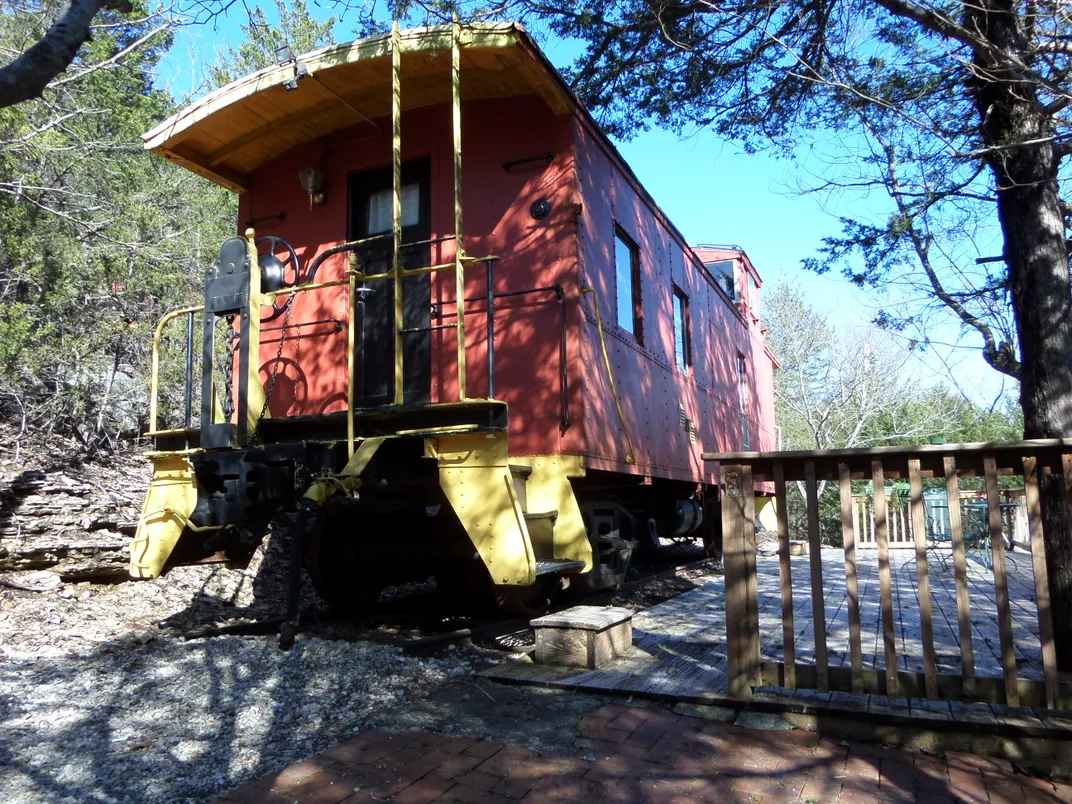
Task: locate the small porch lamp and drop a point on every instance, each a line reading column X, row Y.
column 312, row 181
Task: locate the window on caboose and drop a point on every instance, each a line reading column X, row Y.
column 742, row 397
column 682, row 327
column 627, row 273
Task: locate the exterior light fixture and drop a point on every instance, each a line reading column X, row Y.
column 312, row 181
column 284, row 55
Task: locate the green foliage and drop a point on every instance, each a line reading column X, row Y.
column 97, row 237
column 839, row 390
column 295, row 28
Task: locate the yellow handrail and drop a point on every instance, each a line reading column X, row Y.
column 154, row 380
column 631, row 457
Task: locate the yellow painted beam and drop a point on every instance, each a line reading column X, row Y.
column 475, row 477
column 171, row 499
column 396, row 200
column 459, row 248
column 255, row 399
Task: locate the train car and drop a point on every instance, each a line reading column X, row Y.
column 457, row 336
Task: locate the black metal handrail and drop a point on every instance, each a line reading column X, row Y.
column 353, row 245
column 565, row 421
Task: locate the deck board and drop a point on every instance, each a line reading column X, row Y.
column 680, row 645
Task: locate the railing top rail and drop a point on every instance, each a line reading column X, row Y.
column 969, row 458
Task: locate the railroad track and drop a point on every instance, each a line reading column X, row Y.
column 405, row 622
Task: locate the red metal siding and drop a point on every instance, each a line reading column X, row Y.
column 650, row 386
column 312, row 377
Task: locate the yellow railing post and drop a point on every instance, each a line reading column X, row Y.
column 459, row 251
column 396, row 202
column 256, row 403
column 154, row 377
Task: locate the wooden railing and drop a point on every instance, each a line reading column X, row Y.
column 742, row 472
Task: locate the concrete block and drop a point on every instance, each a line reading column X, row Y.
column 583, row 636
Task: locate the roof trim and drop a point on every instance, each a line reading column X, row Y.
column 413, row 40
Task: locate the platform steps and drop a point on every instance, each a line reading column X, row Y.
column 541, row 527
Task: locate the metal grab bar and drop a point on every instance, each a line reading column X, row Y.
column 631, row 458
column 154, row 378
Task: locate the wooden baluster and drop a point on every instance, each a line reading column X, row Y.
column 960, row 574
column 786, row 572
column 742, row 633
column 753, row 657
column 1042, row 580
column 815, row 557
column 852, row 589
column 919, row 535
column 885, row 585
column 1001, row 583
column 856, row 521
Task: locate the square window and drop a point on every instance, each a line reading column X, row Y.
column 381, row 208
column 682, row 339
column 723, row 271
column 627, row 273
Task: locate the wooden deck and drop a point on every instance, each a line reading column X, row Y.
column 680, row 645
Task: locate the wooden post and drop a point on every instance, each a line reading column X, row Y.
column 960, row 574
column 815, row 557
column 882, row 536
column 786, row 573
column 742, row 635
column 1001, row 584
column 1042, row 580
column 852, row 588
column 748, row 492
column 919, row 535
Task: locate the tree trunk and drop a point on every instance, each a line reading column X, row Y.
column 1028, row 205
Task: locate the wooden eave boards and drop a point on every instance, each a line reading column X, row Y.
column 236, row 129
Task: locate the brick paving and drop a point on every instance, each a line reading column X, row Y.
column 642, row 755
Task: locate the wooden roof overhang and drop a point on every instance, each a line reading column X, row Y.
column 231, row 132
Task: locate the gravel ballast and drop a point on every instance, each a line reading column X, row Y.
column 98, row 703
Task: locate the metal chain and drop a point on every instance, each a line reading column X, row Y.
column 275, row 367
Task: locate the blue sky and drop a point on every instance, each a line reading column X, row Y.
column 714, row 193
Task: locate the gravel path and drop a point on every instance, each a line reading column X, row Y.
column 98, row 703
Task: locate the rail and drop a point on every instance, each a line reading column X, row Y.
column 563, row 374
column 746, row 474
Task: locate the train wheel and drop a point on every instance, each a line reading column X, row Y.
column 711, row 528
column 527, row 601
column 611, row 530
column 337, row 562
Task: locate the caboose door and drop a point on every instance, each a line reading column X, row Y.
column 372, row 214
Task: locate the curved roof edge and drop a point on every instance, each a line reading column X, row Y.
column 413, row 40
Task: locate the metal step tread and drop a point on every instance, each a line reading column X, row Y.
column 520, row 470
column 531, row 515
column 549, row 565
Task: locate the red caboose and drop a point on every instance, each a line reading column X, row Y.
column 458, row 334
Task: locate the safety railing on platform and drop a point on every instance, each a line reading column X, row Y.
column 1046, row 469
column 396, row 275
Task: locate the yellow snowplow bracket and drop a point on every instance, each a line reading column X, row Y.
column 166, row 513
column 475, row 476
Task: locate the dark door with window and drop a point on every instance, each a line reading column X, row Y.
column 371, row 207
